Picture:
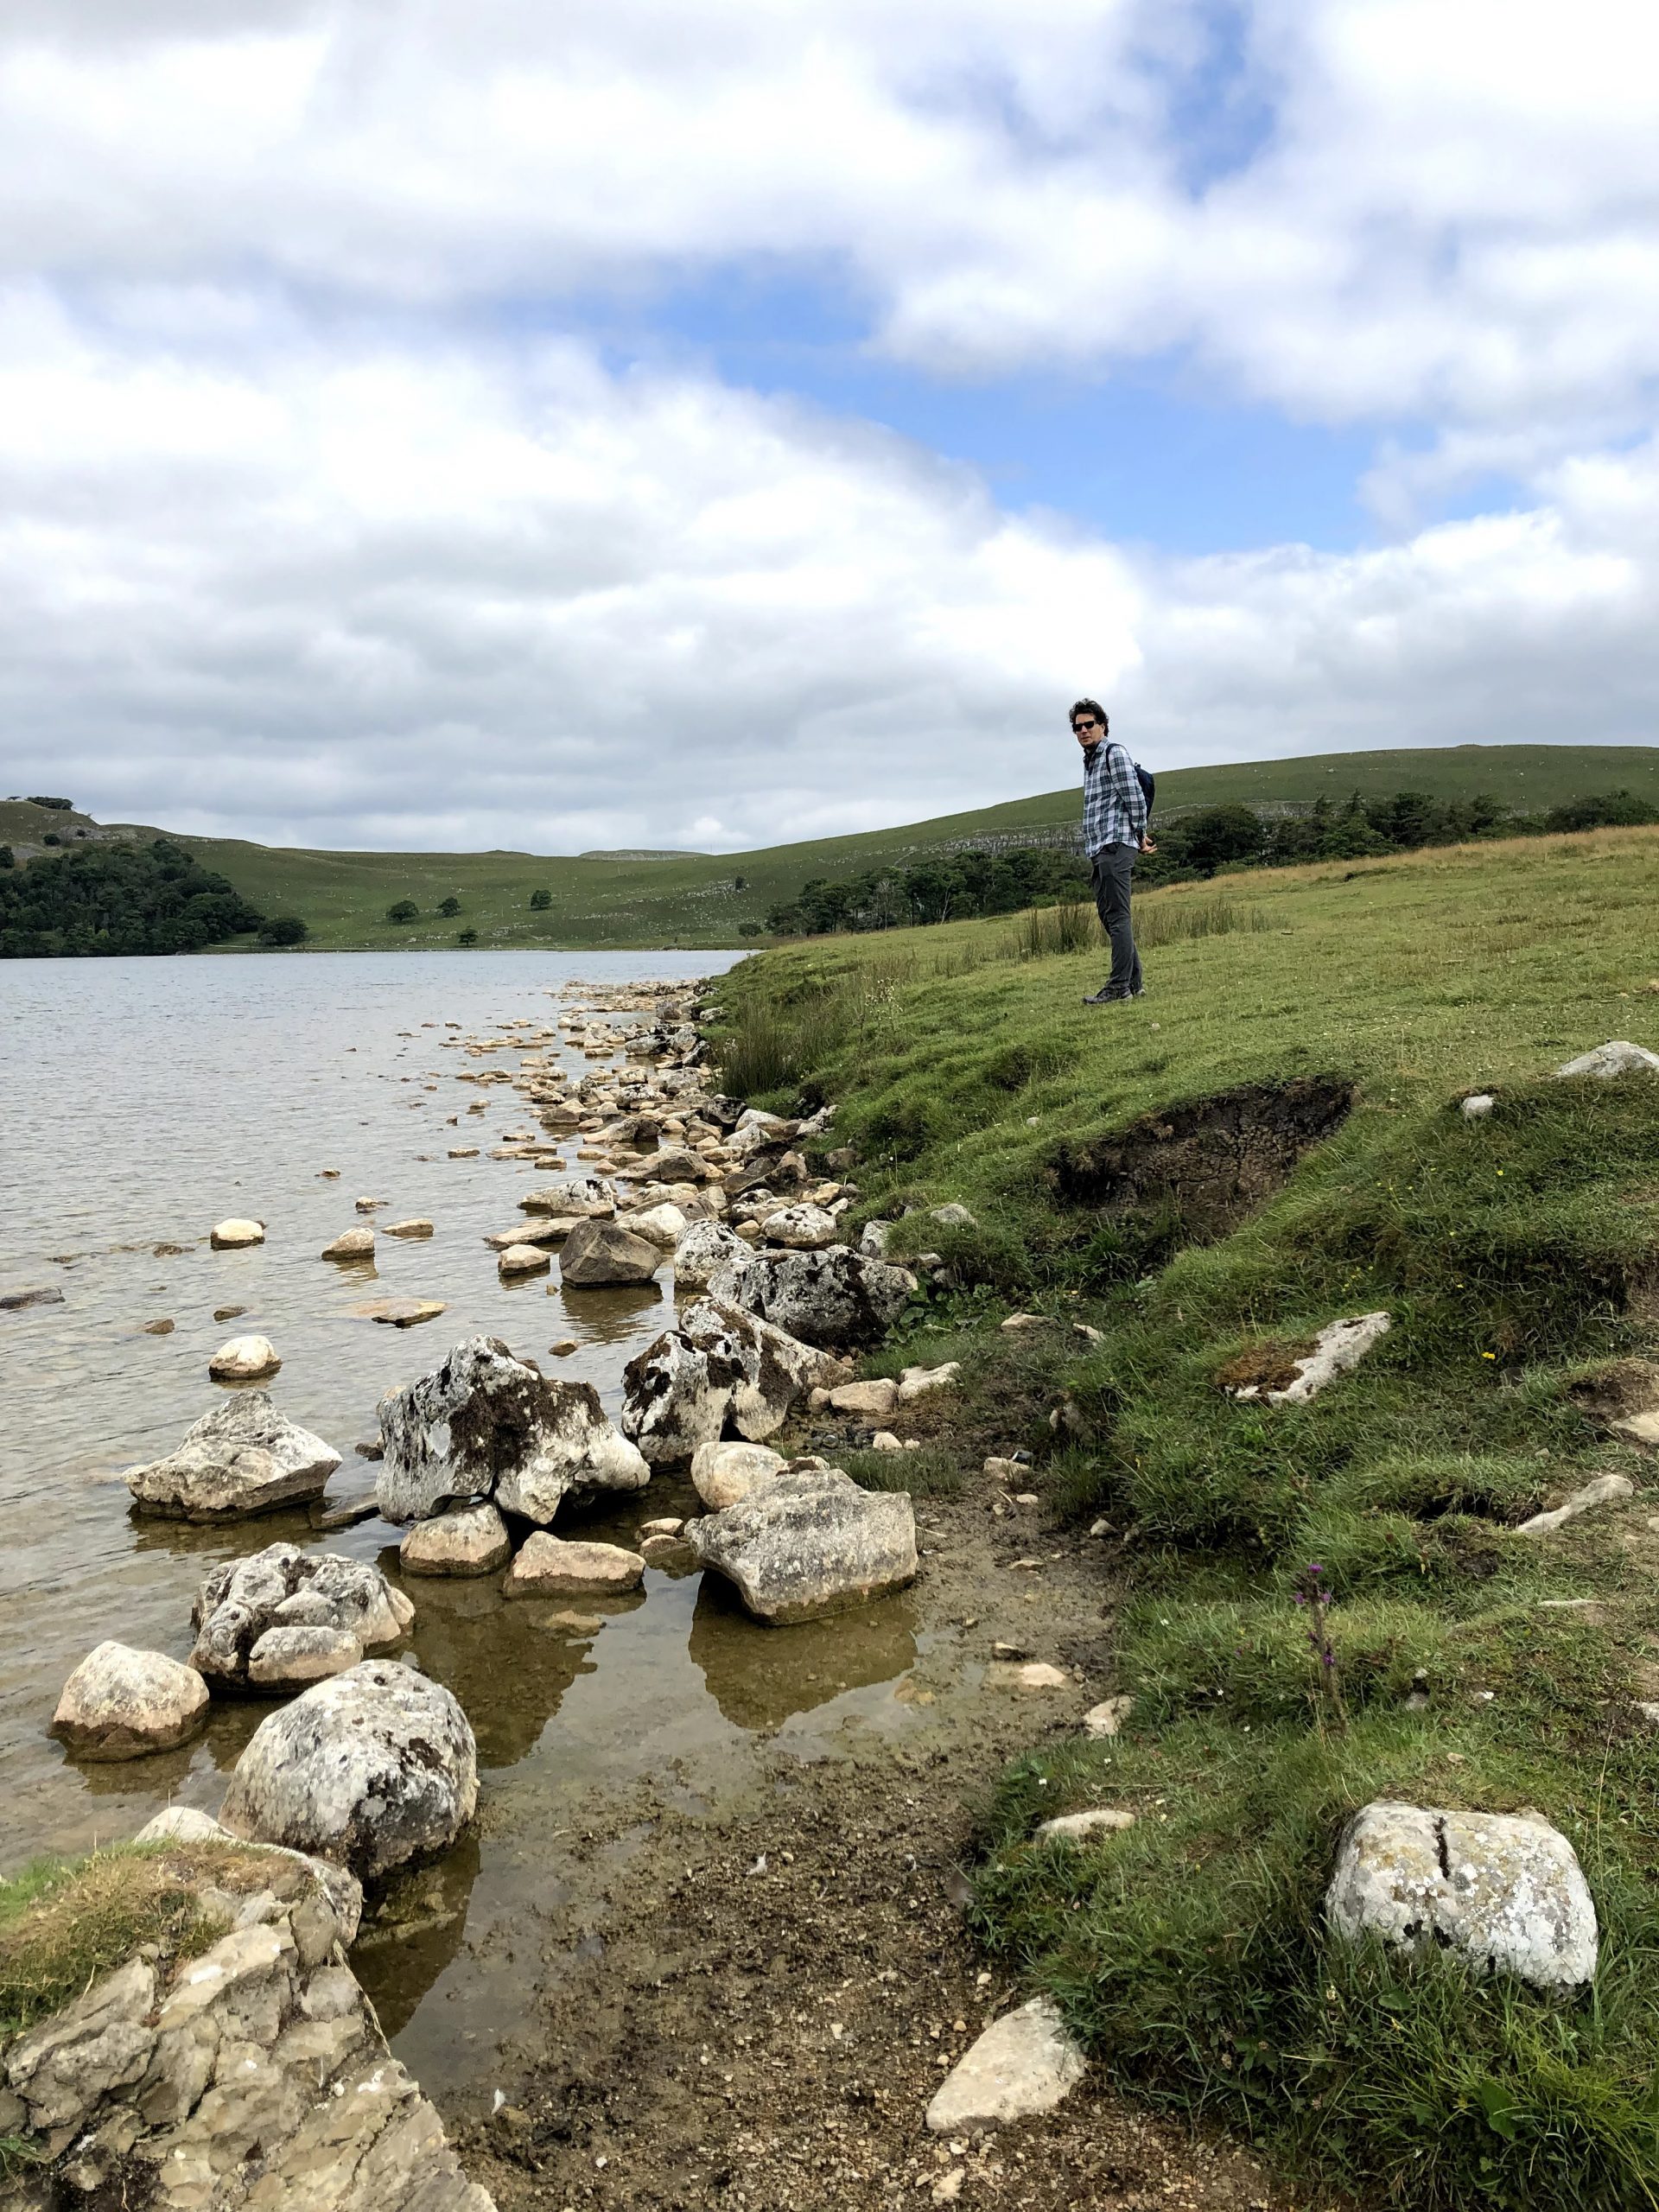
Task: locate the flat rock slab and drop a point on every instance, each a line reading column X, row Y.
column 376, row 1768
column 1505, row 1891
column 1605, row 1489
column 1034, row 1674
column 123, row 1704
column 548, row 1566
column 1085, row 1827
column 242, row 1459
column 1024, row 2063
column 15, row 1301
column 419, row 1227
column 809, row 1543
column 1336, row 1349
column 473, row 1541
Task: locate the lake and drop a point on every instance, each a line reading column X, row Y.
column 141, row 1102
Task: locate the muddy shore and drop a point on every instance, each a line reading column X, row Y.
column 753, row 2004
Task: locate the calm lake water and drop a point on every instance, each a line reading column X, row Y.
column 141, row 1100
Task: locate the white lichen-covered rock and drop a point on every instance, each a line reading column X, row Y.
column 1337, row 1349
column 834, row 1297
column 351, row 1244
column 875, row 1399
column 706, row 1247
column 719, row 1368
column 121, row 1704
column 723, row 1474
column 1505, row 1891
column 1024, row 2063
column 603, row 1256
column 1085, row 1827
column 1617, row 1059
column 484, row 1424
column 244, row 1359
column 376, row 1767
column 1478, row 1105
column 473, row 1539
column 550, row 1566
column 246, row 1611
column 918, row 1381
column 242, row 1459
column 1605, row 1490
column 799, row 1228
column 809, row 1543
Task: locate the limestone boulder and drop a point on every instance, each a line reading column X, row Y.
column 548, row 1566
column 1504, row 1891
column 724, row 1474
column 247, row 1609
column 799, row 1228
column 244, row 1359
column 1024, row 2063
column 663, row 1226
column 353, row 1244
column 808, row 1543
column 121, row 1704
column 524, row 1259
column 834, row 1297
column 242, row 1459
column 875, row 1400
column 471, row 1541
column 602, row 1254
column 706, row 1247
column 578, row 1198
column 484, row 1424
column 376, row 1768
column 1607, row 1061
column 233, row 1235
column 720, row 1367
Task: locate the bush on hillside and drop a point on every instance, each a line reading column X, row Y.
column 58, row 805
column 285, row 929
column 403, row 910
column 449, row 907
column 540, row 901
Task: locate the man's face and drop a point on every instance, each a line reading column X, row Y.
column 1088, row 732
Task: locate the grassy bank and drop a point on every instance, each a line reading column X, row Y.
column 697, row 900
column 1269, row 1139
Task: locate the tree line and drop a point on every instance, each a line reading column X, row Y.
column 958, row 886
column 113, row 898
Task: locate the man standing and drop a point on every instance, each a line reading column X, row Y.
column 1113, row 831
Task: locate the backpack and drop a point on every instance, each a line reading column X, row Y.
column 1147, row 782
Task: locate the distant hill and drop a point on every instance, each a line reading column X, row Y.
column 698, row 899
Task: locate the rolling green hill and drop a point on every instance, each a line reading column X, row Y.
column 703, row 900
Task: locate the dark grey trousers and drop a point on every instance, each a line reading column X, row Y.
column 1113, row 866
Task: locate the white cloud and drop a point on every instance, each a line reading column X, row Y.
column 341, row 595
column 1449, row 214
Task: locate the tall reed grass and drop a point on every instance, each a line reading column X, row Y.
column 1043, row 931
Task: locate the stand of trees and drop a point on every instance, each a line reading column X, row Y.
column 122, row 899
column 956, row 885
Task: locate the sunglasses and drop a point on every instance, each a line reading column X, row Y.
column 1086, row 721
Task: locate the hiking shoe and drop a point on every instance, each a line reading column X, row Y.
column 1107, row 997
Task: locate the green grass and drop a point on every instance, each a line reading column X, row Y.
column 1519, row 1256
column 692, row 899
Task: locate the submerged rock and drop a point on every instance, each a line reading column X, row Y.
column 1505, row 1891
column 809, row 1542
column 124, row 1704
column 485, row 1425
column 833, row 1297
column 242, row 1459
column 1024, row 2063
column 246, row 1610
column 376, row 1768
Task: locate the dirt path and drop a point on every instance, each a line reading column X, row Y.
column 752, row 2007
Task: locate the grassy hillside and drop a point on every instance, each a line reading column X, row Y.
column 1136, row 1168
column 694, row 900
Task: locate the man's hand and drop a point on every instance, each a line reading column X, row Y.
column 1147, row 845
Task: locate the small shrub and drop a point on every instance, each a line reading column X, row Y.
column 467, row 937
column 285, row 929
column 403, row 910
column 540, row 901
column 449, row 907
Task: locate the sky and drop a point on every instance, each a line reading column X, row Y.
column 713, row 423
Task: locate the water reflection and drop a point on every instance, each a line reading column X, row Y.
column 608, row 1317
column 413, row 1931
column 762, row 1677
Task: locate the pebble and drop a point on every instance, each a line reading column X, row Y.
column 564, row 1347
column 1107, row 1718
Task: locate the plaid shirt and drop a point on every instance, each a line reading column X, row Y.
column 1113, row 805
